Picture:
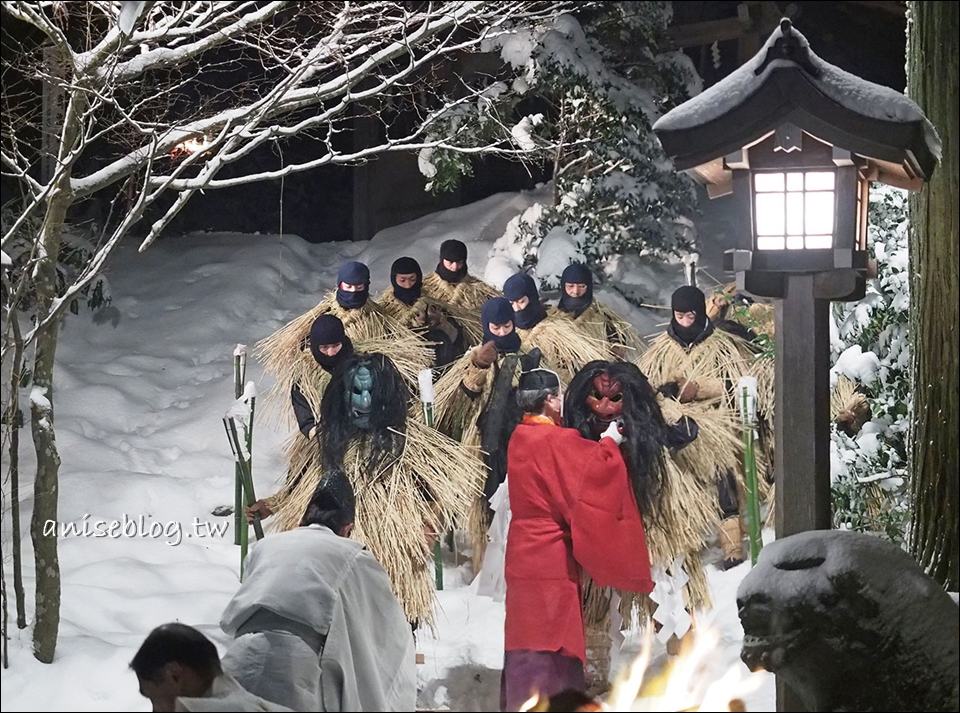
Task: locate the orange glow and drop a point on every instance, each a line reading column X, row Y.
column 190, row 146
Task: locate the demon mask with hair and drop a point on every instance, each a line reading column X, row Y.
column 604, row 391
column 366, row 399
column 605, row 400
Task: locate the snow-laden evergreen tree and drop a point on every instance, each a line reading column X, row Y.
column 579, row 95
column 871, row 348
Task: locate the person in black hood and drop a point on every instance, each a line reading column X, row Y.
column 329, row 346
column 406, row 303
column 353, row 285
column 697, row 367
column 457, row 292
column 407, row 280
column 453, row 261
column 578, row 305
column 576, row 289
column 521, row 290
column 496, row 315
column 689, row 324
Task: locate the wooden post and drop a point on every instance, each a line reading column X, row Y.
column 802, row 420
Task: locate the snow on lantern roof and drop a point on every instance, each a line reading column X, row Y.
column 785, row 82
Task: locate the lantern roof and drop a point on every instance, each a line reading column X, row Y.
column 786, row 83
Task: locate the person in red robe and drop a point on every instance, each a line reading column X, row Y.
column 573, row 509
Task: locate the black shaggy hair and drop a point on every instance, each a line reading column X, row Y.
column 645, row 431
column 179, row 643
column 388, row 419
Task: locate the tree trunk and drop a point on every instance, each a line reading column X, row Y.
column 44, row 525
column 932, row 75
column 16, row 423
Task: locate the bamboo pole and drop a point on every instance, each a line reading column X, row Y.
column 425, row 379
column 747, row 390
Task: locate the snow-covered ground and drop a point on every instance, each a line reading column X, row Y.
column 139, row 398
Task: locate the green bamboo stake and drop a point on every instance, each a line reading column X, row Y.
column 425, row 378
column 239, row 521
column 747, row 389
column 246, row 475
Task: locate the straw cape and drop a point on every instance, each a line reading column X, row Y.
column 462, row 301
column 565, row 347
column 685, row 516
column 431, row 483
column 286, row 353
column 675, row 535
column 413, row 316
column 459, row 415
column 757, row 316
column 719, row 360
column 605, row 325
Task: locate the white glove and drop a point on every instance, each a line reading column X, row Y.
column 613, row 433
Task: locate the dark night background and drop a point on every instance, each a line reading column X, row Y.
column 345, row 202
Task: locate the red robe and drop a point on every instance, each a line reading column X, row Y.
column 572, row 506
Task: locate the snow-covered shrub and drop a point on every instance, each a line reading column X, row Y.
column 580, row 95
column 76, row 250
column 871, row 348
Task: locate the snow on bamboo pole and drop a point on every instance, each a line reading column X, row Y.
column 425, row 379
column 747, row 405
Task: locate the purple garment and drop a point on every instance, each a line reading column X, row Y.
column 547, row 673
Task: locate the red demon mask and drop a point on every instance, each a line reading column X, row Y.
column 606, row 398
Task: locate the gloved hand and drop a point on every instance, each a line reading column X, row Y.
column 689, row 391
column 613, row 433
column 260, row 508
column 433, row 316
column 484, row 356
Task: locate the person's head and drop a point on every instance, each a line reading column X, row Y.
column 175, row 660
column 453, row 260
column 332, row 505
column 521, row 290
column 496, row 315
column 538, row 392
column 407, row 279
column 576, row 283
column 353, row 283
column 689, row 307
column 329, row 344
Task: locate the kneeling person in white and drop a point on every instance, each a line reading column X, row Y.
column 317, row 625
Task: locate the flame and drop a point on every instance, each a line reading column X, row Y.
column 191, row 146
column 685, row 684
column 531, row 703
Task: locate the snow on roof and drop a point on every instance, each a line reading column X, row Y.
column 851, row 92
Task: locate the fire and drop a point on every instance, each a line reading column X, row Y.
column 686, row 683
column 191, row 146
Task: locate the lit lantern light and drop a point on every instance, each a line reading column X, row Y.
column 794, row 210
column 797, row 141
